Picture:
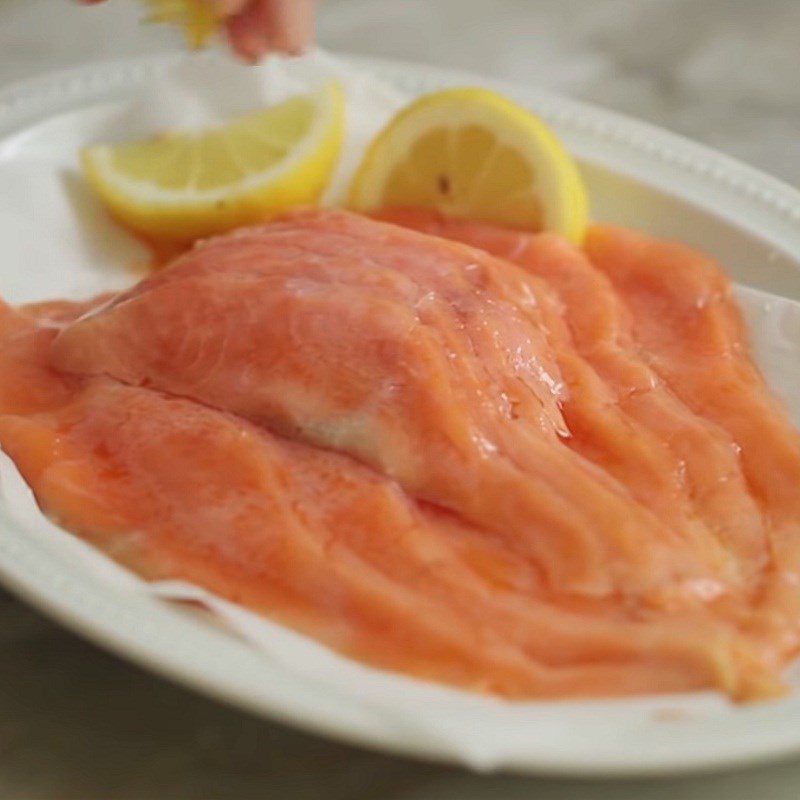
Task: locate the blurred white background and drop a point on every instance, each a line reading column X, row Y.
column 76, row 723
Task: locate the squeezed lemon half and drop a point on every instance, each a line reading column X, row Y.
column 475, row 154
column 195, row 17
column 187, row 184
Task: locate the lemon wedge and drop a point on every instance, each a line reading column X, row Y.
column 196, row 17
column 183, row 185
column 473, row 153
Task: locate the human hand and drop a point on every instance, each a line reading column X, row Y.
column 257, row 27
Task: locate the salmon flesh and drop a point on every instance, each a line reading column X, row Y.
column 477, row 456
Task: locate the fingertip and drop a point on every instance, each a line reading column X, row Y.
column 228, row 8
column 293, row 29
column 272, row 26
column 247, row 45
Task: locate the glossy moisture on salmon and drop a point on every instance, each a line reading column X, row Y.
column 479, row 457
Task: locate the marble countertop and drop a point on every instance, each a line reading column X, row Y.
column 79, row 724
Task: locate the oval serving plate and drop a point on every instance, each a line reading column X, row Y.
column 637, row 175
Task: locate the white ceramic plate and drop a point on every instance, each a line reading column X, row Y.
column 637, row 175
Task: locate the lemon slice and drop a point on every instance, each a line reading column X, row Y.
column 196, row 17
column 475, row 154
column 183, row 185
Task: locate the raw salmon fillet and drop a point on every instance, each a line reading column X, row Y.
column 479, row 472
column 423, row 358
column 625, row 416
column 705, row 360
